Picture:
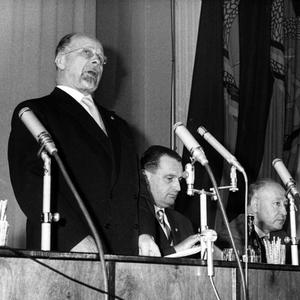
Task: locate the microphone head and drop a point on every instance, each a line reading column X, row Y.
column 176, row 125
column 24, row 109
column 190, row 143
column 282, row 171
column 185, row 136
column 276, row 160
column 37, row 129
column 201, row 130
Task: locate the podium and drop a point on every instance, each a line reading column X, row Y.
column 37, row 275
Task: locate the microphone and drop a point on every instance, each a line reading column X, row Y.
column 189, row 175
column 220, row 148
column 233, row 179
column 190, row 143
column 286, row 177
column 37, row 130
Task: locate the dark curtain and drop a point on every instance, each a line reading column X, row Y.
column 255, row 92
column 206, row 107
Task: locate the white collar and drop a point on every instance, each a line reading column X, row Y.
column 260, row 233
column 156, row 208
column 72, row 92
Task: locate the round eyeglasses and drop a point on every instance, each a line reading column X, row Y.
column 89, row 53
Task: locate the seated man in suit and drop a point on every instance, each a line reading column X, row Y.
column 160, row 183
column 267, row 203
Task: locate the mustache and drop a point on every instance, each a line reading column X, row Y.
column 91, row 74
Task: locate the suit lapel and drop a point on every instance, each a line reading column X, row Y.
column 113, row 138
column 72, row 108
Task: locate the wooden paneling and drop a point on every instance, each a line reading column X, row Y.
column 274, row 284
column 48, row 276
column 170, row 282
column 23, row 278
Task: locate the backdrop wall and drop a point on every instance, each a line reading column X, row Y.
column 136, row 81
column 29, row 33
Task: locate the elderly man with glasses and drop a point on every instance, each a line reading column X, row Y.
column 97, row 149
column 267, row 202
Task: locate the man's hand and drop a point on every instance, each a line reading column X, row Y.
column 188, row 243
column 147, row 246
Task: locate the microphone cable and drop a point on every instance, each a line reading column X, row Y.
column 213, row 181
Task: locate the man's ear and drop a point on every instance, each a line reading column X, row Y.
column 254, row 204
column 60, row 61
column 147, row 175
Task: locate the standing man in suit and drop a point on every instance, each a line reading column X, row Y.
column 98, row 152
column 160, row 183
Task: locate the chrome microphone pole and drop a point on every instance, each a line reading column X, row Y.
column 189, row 175
column 208, row 236
column 292, row 195
column 294, row 245
column 47, row 217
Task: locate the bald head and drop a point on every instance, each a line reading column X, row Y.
column 267, row 201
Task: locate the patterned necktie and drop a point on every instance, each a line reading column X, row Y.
column 167, row 230
column 91, row 108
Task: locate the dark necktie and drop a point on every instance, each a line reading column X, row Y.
column 161, row 219
column 263, row 249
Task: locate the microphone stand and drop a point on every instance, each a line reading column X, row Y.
column 44, row 139
column 294, row 240
column 47, row 217
column 203, row 216
column 205, row 232
column 208, row 236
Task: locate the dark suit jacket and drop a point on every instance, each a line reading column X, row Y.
column 103, row 169
column 181, row 227
column 237, row 227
